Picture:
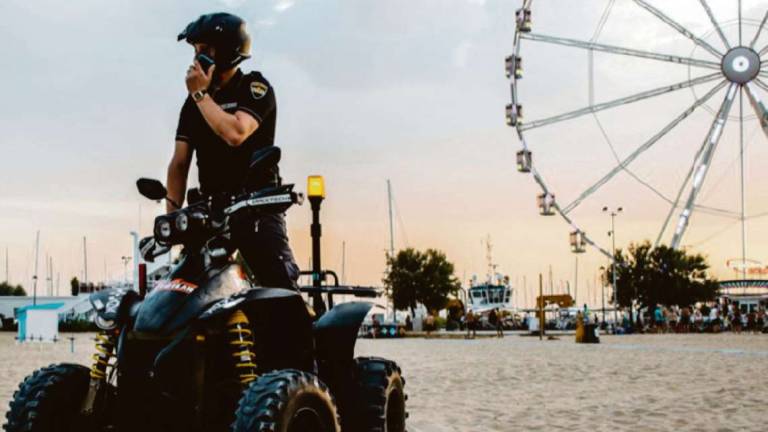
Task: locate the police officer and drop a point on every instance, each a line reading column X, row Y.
column 226, row 117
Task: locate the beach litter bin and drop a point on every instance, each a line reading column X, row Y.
column 587, row 333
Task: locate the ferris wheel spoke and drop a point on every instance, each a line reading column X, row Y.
column 761, row 84
column 672, row 23
column 640, row 150
column 704, row 162
column 759, row 30
column 758, row 106
column 619, row 50
column 715, row 23
column 621, row 101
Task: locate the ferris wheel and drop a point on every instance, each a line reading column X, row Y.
column 729, row 68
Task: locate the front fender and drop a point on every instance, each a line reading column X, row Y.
column 114, row 304
column 336, row 331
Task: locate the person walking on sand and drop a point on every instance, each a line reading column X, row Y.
column 499, row 324
column 470, row 319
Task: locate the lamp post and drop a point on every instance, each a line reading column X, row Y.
column 612, row 233
column 126, row 260
column 603, row 280
column 316, row 195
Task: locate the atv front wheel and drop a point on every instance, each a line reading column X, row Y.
column 49, row 400
column 378, row 399
column 286, row 401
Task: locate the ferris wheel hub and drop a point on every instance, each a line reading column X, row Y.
column 741, row 65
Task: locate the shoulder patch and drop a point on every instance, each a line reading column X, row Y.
column 258, row 89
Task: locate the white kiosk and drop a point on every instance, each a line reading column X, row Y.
column 39, row 322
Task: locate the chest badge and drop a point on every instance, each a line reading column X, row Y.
column 258, row 89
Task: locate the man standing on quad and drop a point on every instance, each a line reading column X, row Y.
column 225, row 118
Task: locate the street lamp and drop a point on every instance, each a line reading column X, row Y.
column 316, row 195
column 603, row 280
column 126, row 260
column 612, row 234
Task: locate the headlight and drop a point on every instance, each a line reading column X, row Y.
column 182, row 222
column 104, row 324
column 164, row 228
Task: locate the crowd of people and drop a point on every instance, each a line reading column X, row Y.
column 700, row 318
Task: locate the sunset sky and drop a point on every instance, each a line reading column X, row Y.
column 407, row 90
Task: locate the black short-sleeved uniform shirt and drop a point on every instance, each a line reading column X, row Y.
column 223, row 168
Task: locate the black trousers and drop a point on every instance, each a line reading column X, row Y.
column 264, row 246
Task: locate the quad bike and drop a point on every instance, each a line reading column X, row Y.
column 206, row 350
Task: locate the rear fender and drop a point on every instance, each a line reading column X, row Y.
column 114, row 305
column 336, row 332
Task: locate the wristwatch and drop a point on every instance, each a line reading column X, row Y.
column 198, row 95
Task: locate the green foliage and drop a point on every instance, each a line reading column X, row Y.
column 74, row 285
column 420, row 277
column 662, row 275
column 78, row 325
column 7, row 289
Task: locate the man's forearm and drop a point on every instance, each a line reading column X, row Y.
column 225, row 125
column 177, row 186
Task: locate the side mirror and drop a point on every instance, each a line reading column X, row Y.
column 151, row 188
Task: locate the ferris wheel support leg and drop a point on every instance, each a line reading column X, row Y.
column 685, row 32
column 702, row 167
column 640, row 150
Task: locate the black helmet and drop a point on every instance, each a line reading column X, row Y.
column 225, row 32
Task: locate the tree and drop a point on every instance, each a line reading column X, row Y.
column 420, row 277
column 7, row 289
column 74, row 285
column 662, row 275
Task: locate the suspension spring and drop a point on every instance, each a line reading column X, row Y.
column 241, row 342
column 105, row 351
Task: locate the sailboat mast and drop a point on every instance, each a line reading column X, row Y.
column 391, row 234
column 34, row 278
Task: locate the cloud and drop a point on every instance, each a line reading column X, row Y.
column 461, row 54
column 283, row 5
column 232, row 3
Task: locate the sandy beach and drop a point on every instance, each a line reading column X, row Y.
column 649, row 383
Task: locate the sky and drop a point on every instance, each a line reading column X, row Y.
column 407, row 90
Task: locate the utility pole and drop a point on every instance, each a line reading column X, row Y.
column 85, row 262
column 7, row 278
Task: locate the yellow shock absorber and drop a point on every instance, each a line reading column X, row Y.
column 241, row 341
column 105, row 351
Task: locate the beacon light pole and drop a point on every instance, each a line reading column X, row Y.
column 316, row 195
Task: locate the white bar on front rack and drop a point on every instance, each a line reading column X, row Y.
column 255, row 202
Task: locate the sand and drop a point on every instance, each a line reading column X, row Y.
column 649, row 383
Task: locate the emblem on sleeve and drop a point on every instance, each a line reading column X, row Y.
column 258, row 89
